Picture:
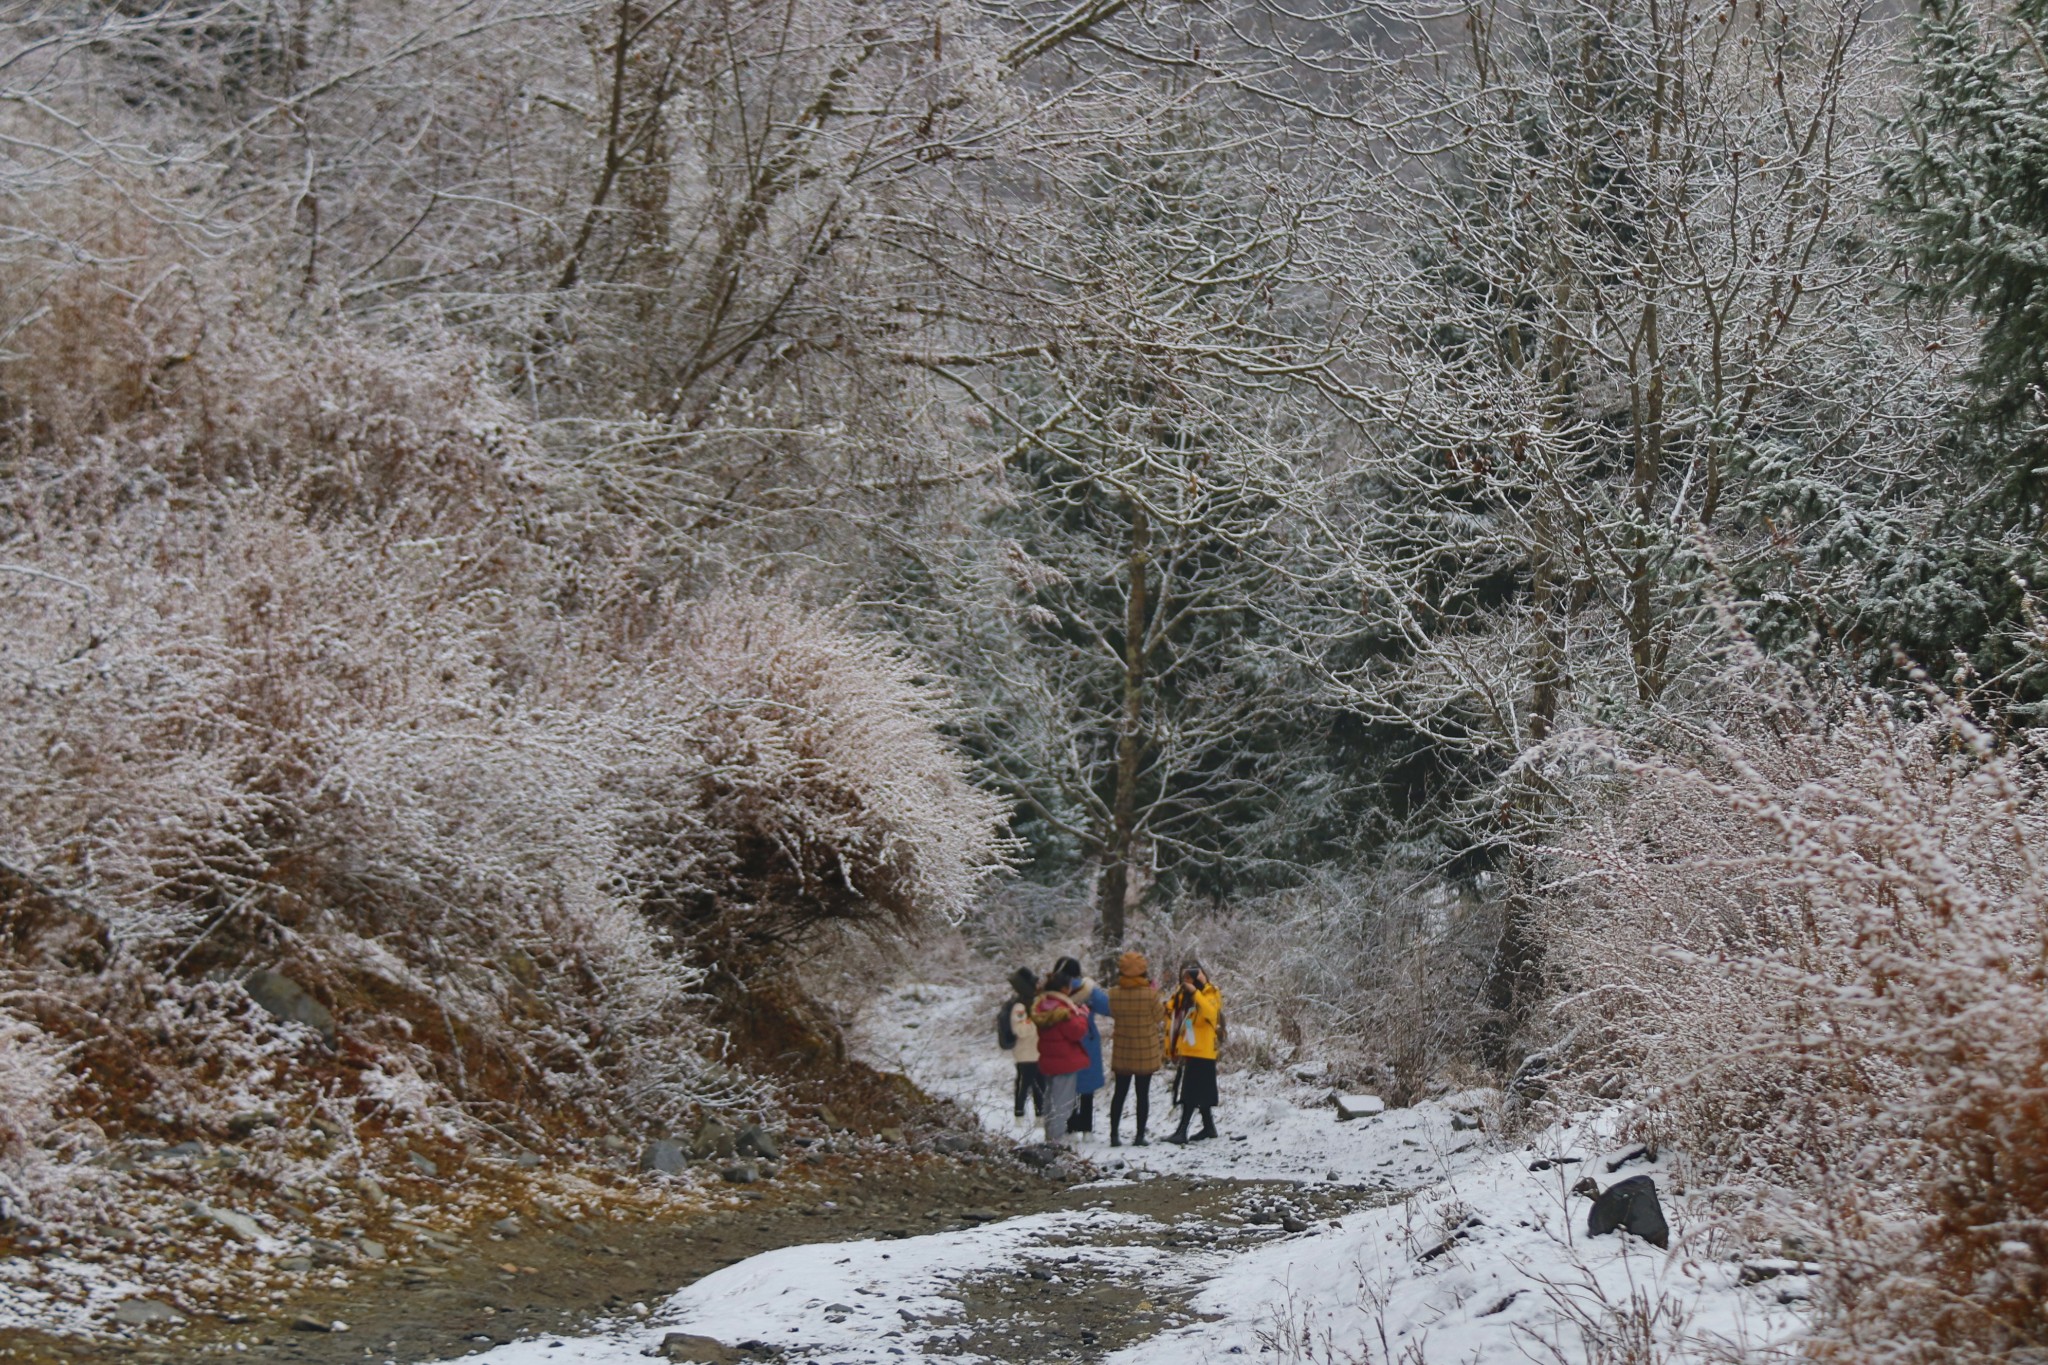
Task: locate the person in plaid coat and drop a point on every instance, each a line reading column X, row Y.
column 1138, row 1044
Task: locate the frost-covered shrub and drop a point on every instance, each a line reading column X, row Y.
column 145, row 358
column 1820, row 947
column 303, row 675
column 830, row 788
column 1379, row 972
column 247, row 742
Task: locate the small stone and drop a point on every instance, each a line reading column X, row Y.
column 741, row 1173
column 894, row 1135
column 755, row 1141
column 831, row 1120
column 302, row 1323
column 328, row 1128
column 426, row 1166
column 1617, row 1160
column 1293, row 1224
column 241, row 1126
column 508, row 1226
column 1461, row 1124
column 184, row 1151
column 329, row 1253
column 285, row 999
column 1773, row 1267
column 294, row 1265
column 979, row 1216
column 714, row 1139
column 701, row 1350
column 663, row 1156
column 527, row 1160
column 372, row 1250
column 239, row 1226
column 372, row 1193
column 145, row 1313
column 1351, row 1107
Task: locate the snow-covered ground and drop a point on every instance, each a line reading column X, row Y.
column 1474, row 1257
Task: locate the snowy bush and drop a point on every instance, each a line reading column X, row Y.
column 304, row 674
column 831, row 786
column 1377, row 972
column 146, row 360
column 1818, row 945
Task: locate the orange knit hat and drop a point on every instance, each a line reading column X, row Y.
column 1132, row 964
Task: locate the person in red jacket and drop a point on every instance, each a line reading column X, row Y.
column 1062, row 1050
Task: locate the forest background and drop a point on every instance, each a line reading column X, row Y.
column 1510, row 524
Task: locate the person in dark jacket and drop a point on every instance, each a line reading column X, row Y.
column 1062, row 1024
column 1024, row 1051
column 1093, row 1075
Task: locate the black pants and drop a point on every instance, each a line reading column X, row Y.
column 1083, row 1117
column 1123, row 1088
column 1030, row 1083
column 1196, row 1093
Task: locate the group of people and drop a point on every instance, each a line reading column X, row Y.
column 1054, row 1029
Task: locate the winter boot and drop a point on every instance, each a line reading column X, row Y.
column 1208, row 1127
column 1179, row 1136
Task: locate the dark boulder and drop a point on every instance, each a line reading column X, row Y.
column 1629, row 1205
column 664, row 1156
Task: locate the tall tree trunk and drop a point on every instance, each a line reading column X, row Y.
column 1114, row 888
column 1515, row 977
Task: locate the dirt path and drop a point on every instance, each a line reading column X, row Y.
column 568, row 1279
column 1061, row 1302
column 485, row 1289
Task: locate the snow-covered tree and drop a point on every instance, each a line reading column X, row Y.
column 1116, row 605
column 1619, row 284
column 1964, row 187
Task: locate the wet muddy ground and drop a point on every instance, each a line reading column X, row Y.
column 567, row 1278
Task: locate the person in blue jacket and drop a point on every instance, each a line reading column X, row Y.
column 1092, row 1079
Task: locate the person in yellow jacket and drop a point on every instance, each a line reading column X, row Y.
column 1197, row 1031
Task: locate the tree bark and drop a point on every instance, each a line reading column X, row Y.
column 1114, row 888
